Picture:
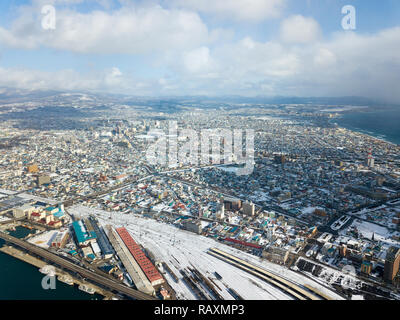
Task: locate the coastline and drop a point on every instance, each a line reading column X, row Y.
column 370, row 134
column 27, row 258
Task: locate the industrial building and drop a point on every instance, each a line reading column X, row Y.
column 102, row 240
column 96, row 249
column 132, row 267
column 23, row 211
column 60, row 240
column 367, row 192
column 145, row 264
column 10, row 203
column 82, row 235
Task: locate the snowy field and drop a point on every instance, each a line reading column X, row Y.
column 368, row 229
column 44, row 240
column 181, row 249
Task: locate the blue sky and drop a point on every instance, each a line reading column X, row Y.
column 179, row 47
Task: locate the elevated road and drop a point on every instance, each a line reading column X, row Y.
column 96, row 278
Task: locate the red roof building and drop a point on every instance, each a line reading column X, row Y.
column 145, row 264
column 243, row 243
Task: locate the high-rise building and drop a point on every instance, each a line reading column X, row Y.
column 249, row 208
column 391, row 264
column 232, row 204
column 370, row 159
column 220, row 211
column 366, row 267
column 343, row 251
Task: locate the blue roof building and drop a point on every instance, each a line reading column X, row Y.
column 59, row 214
column 102, row 239
column 82, row 235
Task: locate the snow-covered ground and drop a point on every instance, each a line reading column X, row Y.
column 36, row 198
column 368, row 229
column 7, row 192
column 44, row 240
column 181, row 249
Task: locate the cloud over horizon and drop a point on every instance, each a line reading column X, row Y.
column 186, row 54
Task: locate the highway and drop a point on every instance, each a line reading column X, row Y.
column 87, row 274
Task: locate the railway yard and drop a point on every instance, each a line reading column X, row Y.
column 199, row 269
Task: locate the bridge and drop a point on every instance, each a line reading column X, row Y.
column 87, row 274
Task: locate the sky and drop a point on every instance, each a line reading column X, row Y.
column 203, row 47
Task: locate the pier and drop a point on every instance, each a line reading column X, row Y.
column 85, row 273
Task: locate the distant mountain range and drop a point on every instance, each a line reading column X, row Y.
column 10, row 95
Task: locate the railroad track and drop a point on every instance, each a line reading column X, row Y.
column 96, row 278
column 300, row 293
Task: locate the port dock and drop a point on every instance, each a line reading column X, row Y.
column 93, row 277
column 26, row 257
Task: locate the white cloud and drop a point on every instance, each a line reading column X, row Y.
column 114, row 77
column 240, row 10
column 325, row 58
column 299, row 29
column 197, row 60
column 300, row 62
column 127, row 30
column 109, row 80
column 346, row 65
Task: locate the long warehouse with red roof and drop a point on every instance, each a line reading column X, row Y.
column 145, row 264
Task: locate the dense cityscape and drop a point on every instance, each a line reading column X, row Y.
column 316, row 218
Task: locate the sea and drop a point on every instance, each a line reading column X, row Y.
column 379, row 122
column 22, row 281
